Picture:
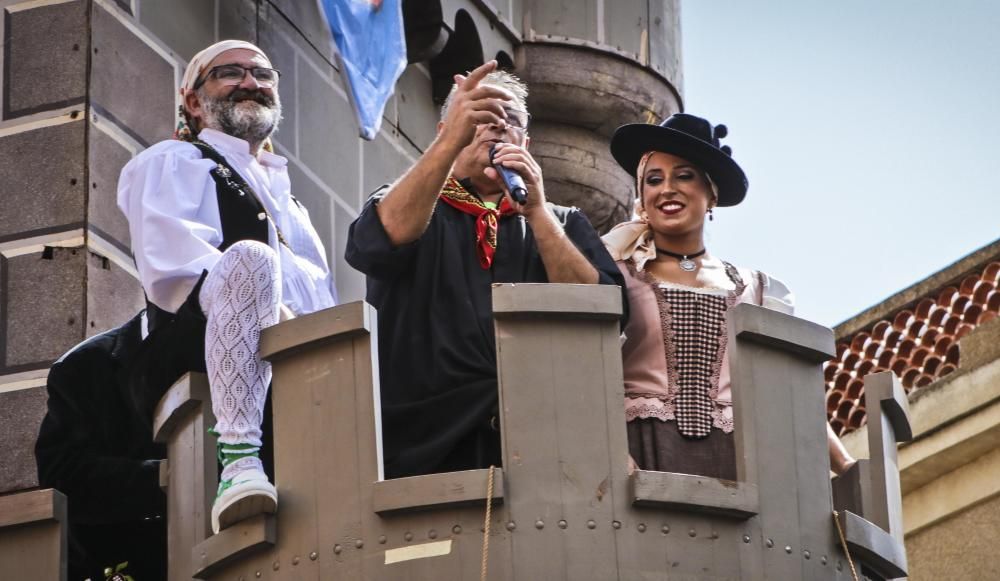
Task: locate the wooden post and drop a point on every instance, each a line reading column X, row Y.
column 781, row 439
column 181, row 421
column 888, row 424
column 33, row 535
column 868, row 496
column 562, row 425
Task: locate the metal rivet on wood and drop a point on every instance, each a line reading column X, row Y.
column 788, row 549
column 591, row 524
column 456, row 529
column 295, row 560
column 511, row 526
column 408, row 536
column 616, row 524
column 746, row 538
column 563, row 524
column 358, row 544
column 337, row 549
column 692, row 533
column 539, row 524
column 665, row 529
column 641, row 527
column 806, row 554
column 382, row 540
column 769, row 544
column 276, row 566
column 313, row 556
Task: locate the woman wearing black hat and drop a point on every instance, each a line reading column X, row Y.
column 676, row 367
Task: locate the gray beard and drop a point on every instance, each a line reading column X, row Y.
column 248, row 120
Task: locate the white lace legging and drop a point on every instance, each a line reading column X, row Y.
column 240, row 296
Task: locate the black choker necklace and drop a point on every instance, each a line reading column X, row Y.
column 686, row 263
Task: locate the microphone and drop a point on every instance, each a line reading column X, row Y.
column 511, row 179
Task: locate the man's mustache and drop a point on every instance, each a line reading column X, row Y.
column 254, row 95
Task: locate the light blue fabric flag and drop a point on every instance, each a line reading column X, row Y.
column 371, row 50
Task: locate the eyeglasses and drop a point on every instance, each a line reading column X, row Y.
column 234, row 74
column 517, row 119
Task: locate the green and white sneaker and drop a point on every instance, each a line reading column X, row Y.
column 244, row 490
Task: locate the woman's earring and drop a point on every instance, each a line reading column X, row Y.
column 710, row 215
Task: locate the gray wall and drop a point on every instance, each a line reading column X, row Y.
column 87, row 84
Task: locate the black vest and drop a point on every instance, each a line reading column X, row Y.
column 240, row 212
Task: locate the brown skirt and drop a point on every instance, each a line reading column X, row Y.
column 657, row 445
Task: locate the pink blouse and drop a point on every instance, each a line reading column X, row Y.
column 650, row 387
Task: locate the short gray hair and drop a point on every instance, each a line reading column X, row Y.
column 501, row 79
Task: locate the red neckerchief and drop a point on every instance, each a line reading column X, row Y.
column 462, row 200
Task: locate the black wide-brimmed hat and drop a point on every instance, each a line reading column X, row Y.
column 689, row 137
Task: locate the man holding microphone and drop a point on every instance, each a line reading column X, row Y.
column 432, row 244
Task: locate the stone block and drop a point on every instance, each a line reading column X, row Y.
column 131, row 81
column 960, row 547
column 592, row 89
column 21, row 413
column 113, row 295
column 350, row 282
column 307, row 18
column 418, row 116
column 579, row 171
column 45, row 58
column 43, row 179
column 385, row 161
column 186, row 26
column 328, row 133
column 576, row 20
column 107, row 158
column 626, row 25
column 317, row 202
column 45, row 305
column 238, row 19
column 665, row 41
column 275, row 39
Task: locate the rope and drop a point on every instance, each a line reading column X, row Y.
column 486, row 526
column 843, row 543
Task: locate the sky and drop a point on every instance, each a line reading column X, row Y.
column 869, row 131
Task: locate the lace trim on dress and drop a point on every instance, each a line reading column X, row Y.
column 731, row 300
column 663, row 407
column 667, row 328
column 641, row 408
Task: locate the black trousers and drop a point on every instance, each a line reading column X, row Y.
column 175, row 346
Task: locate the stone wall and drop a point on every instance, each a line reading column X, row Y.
column 87, row 84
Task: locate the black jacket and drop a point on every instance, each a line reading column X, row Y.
column 95, row 449
column 436, row 341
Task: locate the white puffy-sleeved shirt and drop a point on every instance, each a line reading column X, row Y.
column 170, row 200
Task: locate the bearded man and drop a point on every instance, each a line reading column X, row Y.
column 223, row 250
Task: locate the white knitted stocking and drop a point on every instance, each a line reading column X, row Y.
column 240, row 296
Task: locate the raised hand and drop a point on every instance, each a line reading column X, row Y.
column 472, row 105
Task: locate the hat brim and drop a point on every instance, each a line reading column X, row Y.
column 631, row 142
